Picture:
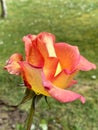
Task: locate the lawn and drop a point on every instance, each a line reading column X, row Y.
column 74, row 22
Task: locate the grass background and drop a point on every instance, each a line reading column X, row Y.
column 74, row 22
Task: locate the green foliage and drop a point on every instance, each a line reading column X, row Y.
column 19, row 127
column 75, row 22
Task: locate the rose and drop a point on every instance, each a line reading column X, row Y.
column 49, row 67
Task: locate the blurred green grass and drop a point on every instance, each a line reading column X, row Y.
column 74, row 22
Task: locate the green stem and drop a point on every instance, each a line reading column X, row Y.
column 35, row 100
column 30, row 117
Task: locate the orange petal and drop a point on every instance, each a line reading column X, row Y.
column 50, row 67
column 61, row 94
column 40, row 52
column 85, row 65
column 63, row 79
column 33, row 55
column 45, row 43
column 68, row 56
column 12, row 65
column 33, row 78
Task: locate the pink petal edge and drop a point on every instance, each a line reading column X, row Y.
column 85, row 65
column 61, row 94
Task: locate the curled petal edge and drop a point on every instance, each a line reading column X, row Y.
column 85, row 65
column 62, row 95
column 12, row 65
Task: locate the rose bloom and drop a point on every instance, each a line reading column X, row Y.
column 49, row 67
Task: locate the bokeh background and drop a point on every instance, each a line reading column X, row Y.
column 71, row 21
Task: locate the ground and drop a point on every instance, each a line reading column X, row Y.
column 10, row 116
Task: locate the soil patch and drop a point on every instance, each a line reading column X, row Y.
column 10, row 116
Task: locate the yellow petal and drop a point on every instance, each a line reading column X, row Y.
column 63, row 79
column 33, row 78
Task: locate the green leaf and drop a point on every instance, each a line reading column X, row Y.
column 47, row 102
column 29, row 94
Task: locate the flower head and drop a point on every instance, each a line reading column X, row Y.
column 49, row 68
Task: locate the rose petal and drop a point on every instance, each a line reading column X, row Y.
column 68, row 56
column 85, row 65
column 45, row 43
column 63, row 79
column 61, row 94
column 50, row 67
column 33, row 55
column 33, row 78
column 12, row 65
column 72, row 83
